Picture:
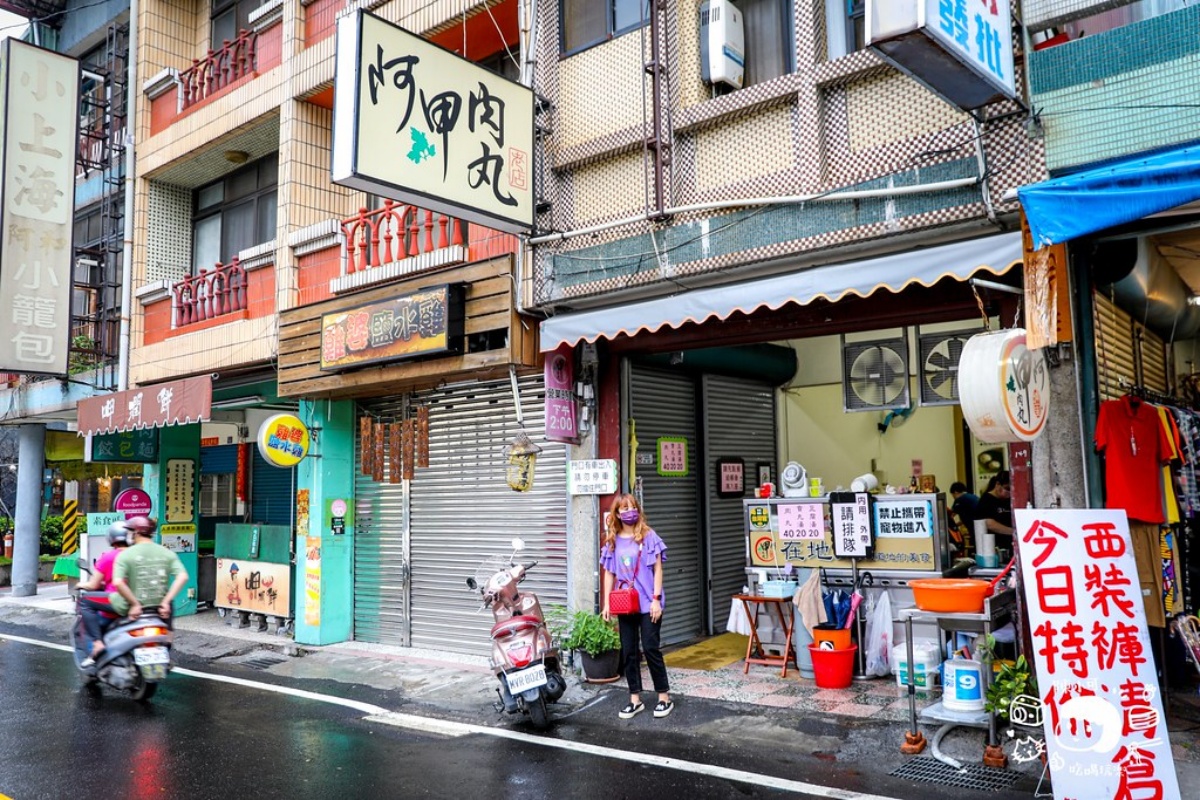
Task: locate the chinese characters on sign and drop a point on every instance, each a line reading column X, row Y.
column 139, row 447
column 801, row 521
column 179, row 538
column 731, row 481
column 417, row 324
column 41, row 98
column 180, row 490
column 1103, row 714
column 174, row 403
column 283, row 440
column 851, row 520
column 597, row 476
column 560, row 396
column 980, row 32
column 904, row 519
column 672, row 457
column 418, row 124
column 260, row 587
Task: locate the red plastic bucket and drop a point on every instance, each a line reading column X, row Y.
column 833, row 669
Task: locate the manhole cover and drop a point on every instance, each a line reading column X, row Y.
column 971, row 776
column 264, row 662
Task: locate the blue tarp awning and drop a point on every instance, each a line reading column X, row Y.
column 1093, row 200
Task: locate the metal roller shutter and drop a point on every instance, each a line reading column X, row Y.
column 462, row 510
column 219, row 460
column 272, row 498
column 664, row 404
column 380, row 549
column 739, row 422
column 1127, row 353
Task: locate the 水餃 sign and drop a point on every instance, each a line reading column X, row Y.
column 138, row 446
column 419, row 124
column 417, row 324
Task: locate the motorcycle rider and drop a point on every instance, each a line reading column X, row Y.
column 94, row 593
column 146, row 574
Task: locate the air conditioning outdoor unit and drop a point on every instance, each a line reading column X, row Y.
column 722, row 43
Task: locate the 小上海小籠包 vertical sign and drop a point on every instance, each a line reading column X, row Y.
column 1102, row 710
column 40, row 97
column 560, row 396
column 418, row 124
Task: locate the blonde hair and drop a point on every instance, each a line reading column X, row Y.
column 613, row 524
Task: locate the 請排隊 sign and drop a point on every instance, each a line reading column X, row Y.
column 419, row 124
column 40, row 108
column 417, row 324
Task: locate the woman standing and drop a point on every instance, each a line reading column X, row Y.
column 632, row 554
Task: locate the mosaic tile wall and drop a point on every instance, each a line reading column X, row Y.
column 1119, row 92
column 852, row 123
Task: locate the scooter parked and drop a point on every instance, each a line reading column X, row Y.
column 136, row 655
column 524, row 658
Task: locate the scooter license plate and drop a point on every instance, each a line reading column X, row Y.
column 527, row 679
column 145, row 656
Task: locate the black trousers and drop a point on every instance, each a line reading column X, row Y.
column 632, row 626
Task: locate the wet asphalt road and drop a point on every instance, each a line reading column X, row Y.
column 203, row 739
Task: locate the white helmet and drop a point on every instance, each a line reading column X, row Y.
column 118, row 533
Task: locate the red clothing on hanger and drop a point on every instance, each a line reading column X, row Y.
column 1135, row 446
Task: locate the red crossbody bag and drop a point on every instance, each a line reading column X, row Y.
column 624, row 599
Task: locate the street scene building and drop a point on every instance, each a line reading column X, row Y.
column 357, row 293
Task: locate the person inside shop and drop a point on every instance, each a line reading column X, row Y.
column 94, row 597
column 995, row 506
column 963, row 509
column 631, row 553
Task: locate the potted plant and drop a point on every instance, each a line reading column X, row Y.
column 1013, row 680
column 596, row 641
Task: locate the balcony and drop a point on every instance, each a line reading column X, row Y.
column 221, row 68
column 213, row 293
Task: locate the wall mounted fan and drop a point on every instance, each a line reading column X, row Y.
column 875, row 374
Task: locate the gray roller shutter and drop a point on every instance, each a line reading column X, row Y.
column 462, row 510
column 664, row 404
column 739, row 422
column 272, row 492
column 380, row 550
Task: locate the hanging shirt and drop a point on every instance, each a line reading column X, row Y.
column 1189, row 487
column 1170, row 502
column 1135, row 447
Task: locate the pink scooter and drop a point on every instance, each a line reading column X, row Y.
column 524, row 658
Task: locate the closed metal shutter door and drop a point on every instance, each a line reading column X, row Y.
column 1116, row 369
column 272, row 501
column 1152, row 360
column 220, row 460
column 463, row 512
column 380, row 551
column 664, row 404
column 739, row 422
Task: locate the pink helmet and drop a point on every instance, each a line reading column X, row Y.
column 141, row 526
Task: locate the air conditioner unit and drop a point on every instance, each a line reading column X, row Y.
column 722, row 43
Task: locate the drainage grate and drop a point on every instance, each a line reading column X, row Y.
column 264, row 662
column 971, row 776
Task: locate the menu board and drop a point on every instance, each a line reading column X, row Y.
column 907, row 531
column 180, row 490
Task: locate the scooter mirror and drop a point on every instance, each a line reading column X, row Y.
column 518, row 544
column 471, row 584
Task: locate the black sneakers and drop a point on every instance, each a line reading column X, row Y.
column 630, row 711
column 663, row 709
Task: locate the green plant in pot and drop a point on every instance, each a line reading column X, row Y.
column 1012, row 681
column 596, row 641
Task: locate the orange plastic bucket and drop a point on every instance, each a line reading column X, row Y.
column 831, row 638
column 833, row 669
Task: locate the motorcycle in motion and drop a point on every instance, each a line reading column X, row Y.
column 136, row 655
column 524, row 658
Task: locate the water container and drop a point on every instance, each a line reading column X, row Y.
column 928, row 658
column 963, row 690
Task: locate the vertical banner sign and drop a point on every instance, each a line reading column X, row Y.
column 181, row 490
column 1102, row 711
column 850, row 515
column 312, row 580
column 41, row 121
column 560, row 396
column 418, row 124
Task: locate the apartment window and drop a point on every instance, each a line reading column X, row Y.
column 233, row 213
column 768, row 36
column 588, row 22
column 229, row 17
column 845, row 27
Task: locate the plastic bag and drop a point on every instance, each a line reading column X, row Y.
column 879, row 637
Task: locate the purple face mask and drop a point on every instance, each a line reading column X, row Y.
column 629, row 516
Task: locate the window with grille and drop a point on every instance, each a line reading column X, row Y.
column 234, row 213
column 217, row 496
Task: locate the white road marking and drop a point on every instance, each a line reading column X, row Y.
column 443, row 727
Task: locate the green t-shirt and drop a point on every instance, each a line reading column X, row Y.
column 149, row 569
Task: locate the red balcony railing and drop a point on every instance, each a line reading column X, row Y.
column 216, row 291
column 395, row 232
column 222, row 67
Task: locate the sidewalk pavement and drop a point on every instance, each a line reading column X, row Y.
column 417, row 680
